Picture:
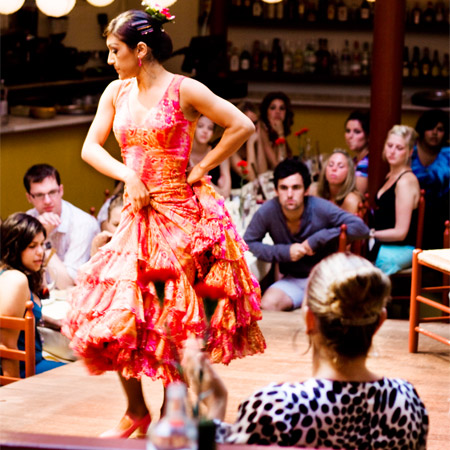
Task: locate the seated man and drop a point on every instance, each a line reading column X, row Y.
column 69, row 229
column 430, row 163
column 304, row 230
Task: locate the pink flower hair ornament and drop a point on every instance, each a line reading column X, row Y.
column 159, row 10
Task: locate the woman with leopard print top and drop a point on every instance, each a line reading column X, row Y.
column 344, row 405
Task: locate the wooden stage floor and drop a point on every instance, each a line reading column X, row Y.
column 67, row 401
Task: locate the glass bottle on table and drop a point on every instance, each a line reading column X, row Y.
column 175, row 430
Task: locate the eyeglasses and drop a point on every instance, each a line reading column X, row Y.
column 52, row 194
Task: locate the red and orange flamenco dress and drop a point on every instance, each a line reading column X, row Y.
column 185, row 234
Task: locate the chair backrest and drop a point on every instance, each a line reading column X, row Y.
column 343, row 239
column 420, row 219
column 447, row 234
column 25, row 324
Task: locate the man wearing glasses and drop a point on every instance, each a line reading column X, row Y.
column 69, row 229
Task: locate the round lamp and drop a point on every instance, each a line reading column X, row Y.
column 100, row 2
column 55, row 8
column 10, row 6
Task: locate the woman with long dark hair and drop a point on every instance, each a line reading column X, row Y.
column 21, row 278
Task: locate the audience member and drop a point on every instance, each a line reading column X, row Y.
column 344, row 404
column 357, row 128
column 337, row 182
column 103, row 213
column 201, row 145
column 277, row 118
column 252, row 151
column 21, row 273
column 69, row 229
column 110, row 225
column 304, row 230
column 395, row 215
column 430, row 163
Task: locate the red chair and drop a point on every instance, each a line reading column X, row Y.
column 25, row 324
column 438, row 260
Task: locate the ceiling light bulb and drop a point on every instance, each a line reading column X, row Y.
column 100, row 2
column 55, row 8
column 10, row 6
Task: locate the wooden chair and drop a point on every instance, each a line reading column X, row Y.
column 438, row 260
column 28, row 355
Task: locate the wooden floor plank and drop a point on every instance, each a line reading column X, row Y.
column 68, row 401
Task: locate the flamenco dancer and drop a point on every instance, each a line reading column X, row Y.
column 173, row 226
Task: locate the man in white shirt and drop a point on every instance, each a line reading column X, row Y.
column 69, row 229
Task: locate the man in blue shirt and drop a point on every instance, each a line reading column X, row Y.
column 430, row 162
column 304, row 230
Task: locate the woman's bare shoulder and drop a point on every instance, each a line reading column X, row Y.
column 14, row 284
column 351, row 202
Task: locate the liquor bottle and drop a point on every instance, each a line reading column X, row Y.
column 279, row 10
column 406, row 72
column 344, row 66
column 288, row 58
column 439, row 17
column 415, row 63
column 355, row 67
column 256, row 56
column 175, row 430
column 269, row 10
column 365, row 60
column 342, row 11
column 245, row 59
column 311, row 12
column 334, row 69
column 265, row 56
column 290, row 12
column 435, row 65
column 3, row 103
column 301, row 10
column 323, row 58
column 364, row 11
column 331, row 11
column 310, row 59
column 276, row 57
column 246, row 9
column 299, row 59
column 425, row 63
column 257, row 9
column 429, row 14
column 234, row 59
column 416, row 15
column 445, row 67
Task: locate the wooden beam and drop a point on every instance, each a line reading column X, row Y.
column 386, row 88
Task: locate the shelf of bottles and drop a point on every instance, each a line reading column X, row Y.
column 342, row 15
column 286, row 61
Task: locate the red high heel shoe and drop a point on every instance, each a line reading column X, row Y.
column 136, row 422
